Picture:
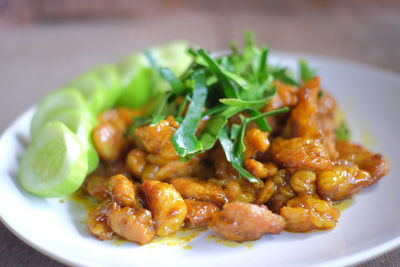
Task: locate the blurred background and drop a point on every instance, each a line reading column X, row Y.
column 45, row 43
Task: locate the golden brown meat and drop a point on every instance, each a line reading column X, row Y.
column 255, row 141
column 171, row 169
column 326, row 112
column 260, row 169
column 109, row 141
column 157, row 138
column 133, row 225
column 266, row 192
column 123, row 192
column 121, row 118
column 305, row 214
column 304, row 116
column 194, row 188
column 283, row 191
column 96, row 186
column 232, row 190
column 199, row 213
column 286, row 97
column 329, row 143
column 97, row 220
column 239, row 221
column 136, row 161
column 240, row 190
column 300, row 153
column 340, row 182
column 223, row 168
column 166, row 205
column 303, row 182
column 375, row 164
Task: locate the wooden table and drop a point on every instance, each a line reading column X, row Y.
column 37, row 59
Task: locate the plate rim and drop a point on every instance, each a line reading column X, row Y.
column 353, row 258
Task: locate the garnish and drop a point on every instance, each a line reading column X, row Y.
column 239, row 83
column 342, row 132
column 306, row 73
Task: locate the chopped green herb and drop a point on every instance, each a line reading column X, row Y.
column 261, row 122
column 281, row 74
column 209, row 135
column 184, row 139
column 343, row 133
column 306, row 73
column 231, row 156
column 217, row 88
column 176, row 84
column 157, row 119
column 263, row 61
column 227, row 86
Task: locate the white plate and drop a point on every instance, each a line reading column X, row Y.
column 370, row 226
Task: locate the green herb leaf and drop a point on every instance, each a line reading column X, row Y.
column 231, row 111
column 182, row 107
column 268, row 86
column 282, row 75
column 157, row 119
column 214, row 110
column 343, row 133
column 261, row 122
column 209, row 135
column 161, row 105
column 269, row 113
column 184, row 139
column 263, row 62
column 176, row 84
column 266, row 89
column 250, row 51
column 306, row 73
column 227, row 86
column 237, row 163
column 238, row 80
column 235, row 102
column 235, row 128
column 226, row 144
column 239, row 142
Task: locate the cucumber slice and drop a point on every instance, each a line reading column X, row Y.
column 93, row 90
column 140, row 83
column 55, row 164
column 110, row 77
column 137, row 82
column 75, row 120
column 56, row 101
column 173, row 55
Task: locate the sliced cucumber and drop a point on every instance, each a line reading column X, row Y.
column 55, row 164
column 137, row 82
column 173, row 55
column 140, row 83
column 93, row 90
column 75, row 120
column 56, row 101
column 110, row 77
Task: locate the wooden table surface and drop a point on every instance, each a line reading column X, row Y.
column 37, row 59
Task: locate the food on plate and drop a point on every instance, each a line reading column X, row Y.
column 174, row 137
column 54, row 164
